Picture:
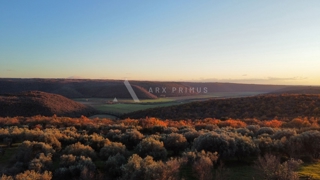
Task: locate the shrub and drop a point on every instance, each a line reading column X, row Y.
column 112, row 149
column 288, row 133
column 52, row 140
column 145, row 169
column 214, row 142
column 175, row 142
column 97, row 142
column 306, row 143
column 41, row 163
column 79, row 149
column 29, row 150
column 152, row 147
column 253, row 128
column 265, row 130
column 32, row 175
column 113, row 165
column 74, row 166
column 269, row 167
column 201, row 162
column 245, row 147
column 131, row 138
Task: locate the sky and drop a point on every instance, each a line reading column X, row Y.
column 262, row 42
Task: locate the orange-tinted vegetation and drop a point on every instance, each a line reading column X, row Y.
column 150, row 148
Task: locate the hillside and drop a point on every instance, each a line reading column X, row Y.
column 86, row 88
column 40, row 103
column 74, row 88
column 298, row 90
column 262, row 107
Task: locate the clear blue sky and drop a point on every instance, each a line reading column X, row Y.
column 268, row 42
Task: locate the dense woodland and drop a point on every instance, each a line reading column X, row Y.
column 283, row 107
column 149, row 148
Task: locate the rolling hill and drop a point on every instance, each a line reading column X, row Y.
column 40, row 103
column 261, row 107
column 86, row 88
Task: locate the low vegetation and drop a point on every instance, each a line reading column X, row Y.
column 149, row 148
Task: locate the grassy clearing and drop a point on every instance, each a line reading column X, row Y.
column 234, row 170
column 103, row 116
column 106, row 100
column 126, row 108
column 9, row 153
column 312, row 169
column 243, row 172
column 128, row 105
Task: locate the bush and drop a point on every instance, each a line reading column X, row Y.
column 41, row 163
column 112, row 149
column 152, row 147
column 29, row 150
column 305, row 144
column 145, row 169
column 202, row 163
column 270, row 167
column 245, row 147
column 175, row 142
column 73, row 166
column 131, row 138
column 265, row 130
column 214, row 142
column 32, row 175
column 79, row 149
column 97, row 142
column 52, row 140
column 113, row 165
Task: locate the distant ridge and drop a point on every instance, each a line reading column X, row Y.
column 87, row 88
column 40, row 103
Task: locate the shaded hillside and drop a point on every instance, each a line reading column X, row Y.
column 298, row 90
column 74, row 88
column 169, row 89
column 40, row 103
column 235, row 87
column 262, row 107
column 86, row 88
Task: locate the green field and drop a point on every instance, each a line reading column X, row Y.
column 123, row 106
column 127, row 108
